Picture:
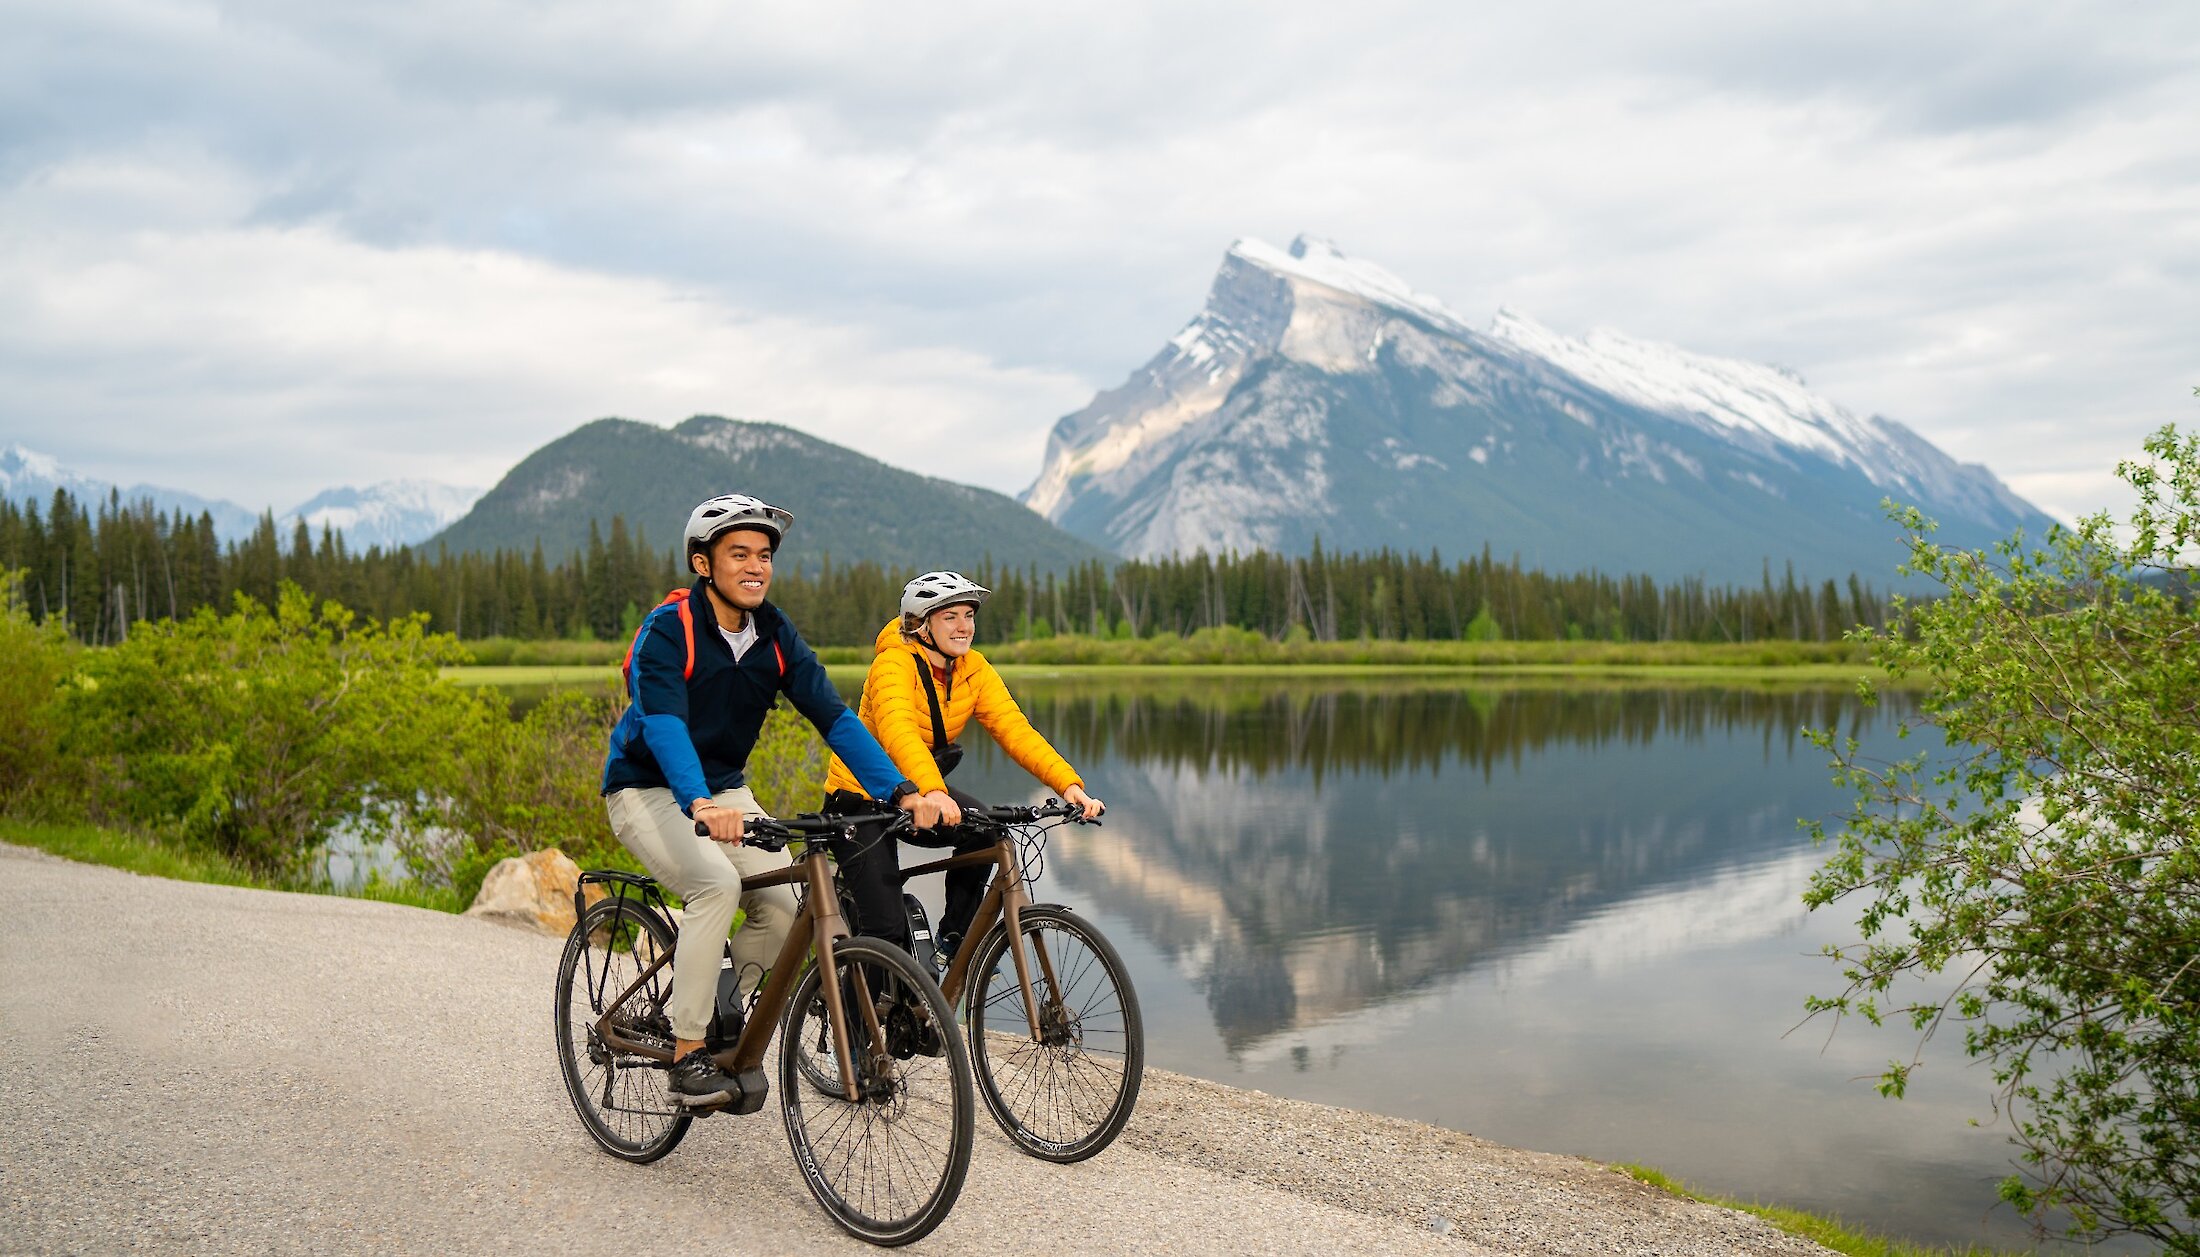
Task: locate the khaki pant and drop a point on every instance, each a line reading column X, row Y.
column 706, row 875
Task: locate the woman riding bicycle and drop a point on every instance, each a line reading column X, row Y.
column 925, row 684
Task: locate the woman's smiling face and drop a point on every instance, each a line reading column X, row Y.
column 953, row 629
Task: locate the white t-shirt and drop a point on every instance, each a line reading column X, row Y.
column 742, row 640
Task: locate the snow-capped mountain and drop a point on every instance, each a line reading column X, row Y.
column 1318, row 395
column 390, row 514
column 27, row 476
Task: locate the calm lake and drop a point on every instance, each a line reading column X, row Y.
column 1560, row 918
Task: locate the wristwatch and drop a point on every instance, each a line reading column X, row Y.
column 900, row 792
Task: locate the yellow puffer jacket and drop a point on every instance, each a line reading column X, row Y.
column 895, row 711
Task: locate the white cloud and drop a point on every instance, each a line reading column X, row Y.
column 255, row 351
column 1975, row 219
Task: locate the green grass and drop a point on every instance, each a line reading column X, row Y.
column 545, row 677
column 1241, row 647
column 92, row 844
column 1830, row 1232
column 532, row 674
column 143, row 853
column 1707, row 674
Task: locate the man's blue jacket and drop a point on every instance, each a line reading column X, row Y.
column 695, row 733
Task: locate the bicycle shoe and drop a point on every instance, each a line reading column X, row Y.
column 696, row 1080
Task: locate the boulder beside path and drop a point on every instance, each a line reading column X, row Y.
column 532, row 891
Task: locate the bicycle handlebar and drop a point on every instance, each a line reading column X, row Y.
column 1013, row 815
column 771, row 833
column 767, row 833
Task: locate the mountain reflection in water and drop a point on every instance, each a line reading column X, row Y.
column 1305, row 854
column 1558, row 917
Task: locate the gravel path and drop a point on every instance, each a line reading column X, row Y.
column 207, row 1069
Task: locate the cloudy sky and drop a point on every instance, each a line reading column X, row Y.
column 255, row 249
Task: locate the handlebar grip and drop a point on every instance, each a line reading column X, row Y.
column 753, row 835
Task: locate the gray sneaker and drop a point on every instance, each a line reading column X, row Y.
column 697, row 1081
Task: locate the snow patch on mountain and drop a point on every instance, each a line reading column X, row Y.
column 30, row 478
column 1743, row 399
column 1318, row 260
column 390, row 514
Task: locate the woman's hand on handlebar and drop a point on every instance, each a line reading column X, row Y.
column 1093, row 807
column 933, row 807
column 724, row 823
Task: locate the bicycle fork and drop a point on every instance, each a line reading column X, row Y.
column 1006, row 899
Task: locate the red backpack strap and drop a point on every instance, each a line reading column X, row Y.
column 781, row 656
column 677, row 599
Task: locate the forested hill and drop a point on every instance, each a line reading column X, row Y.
column 853, row 508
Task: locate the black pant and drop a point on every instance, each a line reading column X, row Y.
column 870, row 869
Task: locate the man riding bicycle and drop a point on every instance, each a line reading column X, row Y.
column 703, row 674
column 925, row 684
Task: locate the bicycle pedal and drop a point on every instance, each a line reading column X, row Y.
column 749, row 1092
column 753, row 1089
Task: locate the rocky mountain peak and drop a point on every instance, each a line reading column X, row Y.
column 1318, row 394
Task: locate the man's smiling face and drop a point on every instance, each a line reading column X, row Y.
column 741, row 567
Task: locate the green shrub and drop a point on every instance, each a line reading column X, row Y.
column 787, row 769
column 523, row 785
column 37, row 659
column 258, row 733
column 2047, row 852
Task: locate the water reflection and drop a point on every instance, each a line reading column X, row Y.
column 1305, row 855
column 1560, row 918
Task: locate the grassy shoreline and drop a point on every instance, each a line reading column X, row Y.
column 1240, row 647
column 147, row 856
column 1645, row 673
column 1831, row 1232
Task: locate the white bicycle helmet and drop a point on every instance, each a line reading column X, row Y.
column 933, row 590
column 728, row 511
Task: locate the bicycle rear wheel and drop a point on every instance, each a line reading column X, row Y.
column 623, row 1100
column 1066, row 1094
column 888, row 1164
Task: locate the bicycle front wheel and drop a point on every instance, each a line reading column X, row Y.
column 1062, row 1090
column 888, row 1163
column 625, row 1101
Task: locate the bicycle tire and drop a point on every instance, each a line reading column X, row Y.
column 915, row 1116
column 624, row 1103
column 1066, row 1097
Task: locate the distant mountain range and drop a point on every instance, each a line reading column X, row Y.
column 1314, row 396
column 390, row 514
column 845, row 505
column 1317, row 395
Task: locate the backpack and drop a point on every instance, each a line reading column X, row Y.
column 678, row 601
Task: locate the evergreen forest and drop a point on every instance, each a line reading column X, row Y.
column 99, row 568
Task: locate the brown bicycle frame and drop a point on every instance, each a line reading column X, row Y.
column 1005, row 898
column 811, row 931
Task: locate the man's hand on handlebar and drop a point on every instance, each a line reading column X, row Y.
column 724, row 823
column 933, row 807
column 1092, row 807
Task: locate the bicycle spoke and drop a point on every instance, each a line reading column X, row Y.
column 888, row 1160
column 1065, row 1091
column 622, row 1100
